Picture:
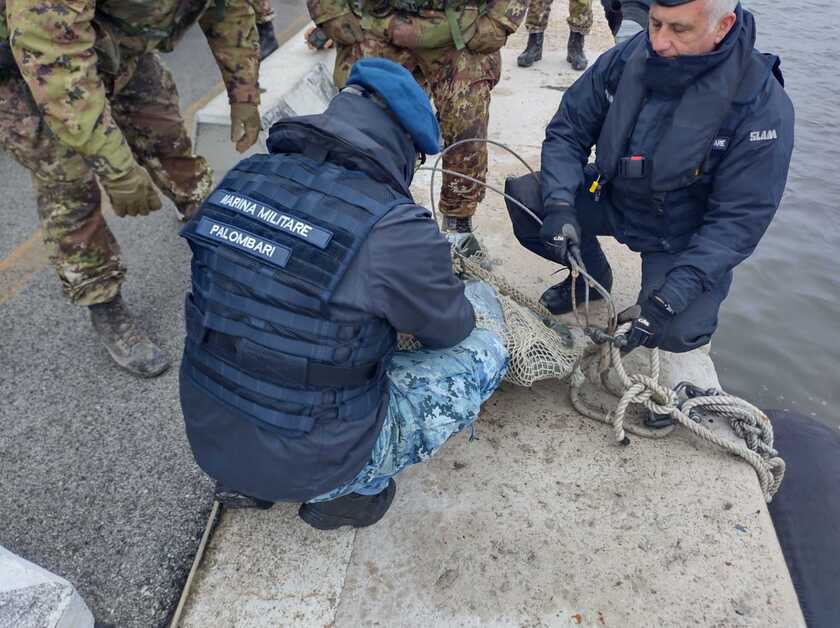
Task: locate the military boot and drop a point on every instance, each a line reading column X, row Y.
column 459, row 233
column 128, row 346
column 268, row 40
column 353, row 509
column 575, row 55
column 533, row 51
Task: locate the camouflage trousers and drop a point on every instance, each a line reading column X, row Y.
column 460, row 82
column 579, row 20
column 264, row 11
column 434, row 394
column 81, row 246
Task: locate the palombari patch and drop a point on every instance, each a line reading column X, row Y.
column 247, row 242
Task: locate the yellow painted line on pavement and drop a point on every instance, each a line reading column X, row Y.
column 21, row 264
column 30, row 257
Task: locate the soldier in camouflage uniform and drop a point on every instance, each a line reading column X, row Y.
column 84, row 102
column 580, row 23
column 265, row 26
column 453, row 51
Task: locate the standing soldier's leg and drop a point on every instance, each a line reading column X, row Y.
column 580, row 23
column 461, row 82
column 536, row 22
column 81, row 247
column 345, row 57
column 265, row 25
column 146, row 110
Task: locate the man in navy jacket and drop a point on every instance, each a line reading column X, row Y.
column 693, row 133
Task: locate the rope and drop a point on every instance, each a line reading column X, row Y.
column 604, row 355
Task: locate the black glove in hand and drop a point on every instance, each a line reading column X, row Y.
column 560, row 232
column 651, row 320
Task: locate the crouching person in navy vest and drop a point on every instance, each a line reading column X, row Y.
column 693, row 133
column 306, row 264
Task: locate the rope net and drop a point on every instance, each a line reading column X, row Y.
column 540, row 347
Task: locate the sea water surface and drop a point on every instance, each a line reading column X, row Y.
column 778, row 343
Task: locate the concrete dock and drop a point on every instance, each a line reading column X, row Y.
column 542, row 520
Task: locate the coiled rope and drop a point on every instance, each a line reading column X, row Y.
column 686, row 404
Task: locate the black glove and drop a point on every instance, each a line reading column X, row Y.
column 560, row 233
column 651, row 320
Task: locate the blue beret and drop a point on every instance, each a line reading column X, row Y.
column 404, row 97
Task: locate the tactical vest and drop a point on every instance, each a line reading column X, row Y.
column 270, row 246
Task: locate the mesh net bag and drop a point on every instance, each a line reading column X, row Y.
column 540, row 347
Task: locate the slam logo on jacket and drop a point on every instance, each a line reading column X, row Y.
column 763, row 136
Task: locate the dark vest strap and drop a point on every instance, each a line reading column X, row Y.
column 348, row 408
column 228, row 266
column 271, row 417
column 363, row 378
column 209, row 320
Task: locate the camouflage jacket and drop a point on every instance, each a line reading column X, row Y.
column 74, row 53
column 376, row 16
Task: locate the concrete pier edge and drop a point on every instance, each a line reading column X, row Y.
column 542, row 520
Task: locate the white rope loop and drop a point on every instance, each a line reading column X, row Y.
column 746, row 421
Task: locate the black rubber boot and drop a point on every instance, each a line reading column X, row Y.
column 127, row 345
column 268, row 40
column 234, row 499
column 575, row 55
column 354, row 510
column 533, row 51
column 459, row 233
column 558, row 298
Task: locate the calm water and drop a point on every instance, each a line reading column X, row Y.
column 778, row 343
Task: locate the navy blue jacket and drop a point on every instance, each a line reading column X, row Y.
column 306, row 262
column 717, row 132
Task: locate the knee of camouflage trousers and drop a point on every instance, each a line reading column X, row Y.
column 449, row 384
column 81, row 247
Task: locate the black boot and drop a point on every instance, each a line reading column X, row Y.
column 234, row 499
column 268, row 40
column 353, row 509
column 127, row 345
column 575, row 54
column 533, row 51
column 558, row 298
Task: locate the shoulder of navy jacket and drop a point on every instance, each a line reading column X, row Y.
column 757, row 79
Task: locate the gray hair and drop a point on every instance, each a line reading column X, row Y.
column 716, row 9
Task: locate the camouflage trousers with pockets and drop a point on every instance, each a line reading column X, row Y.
column 81, row 246
column 459, row 82
column 579, row 20
column 433, row 395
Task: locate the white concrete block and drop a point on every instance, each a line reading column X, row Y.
column 32, row 597
column 295, row 80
